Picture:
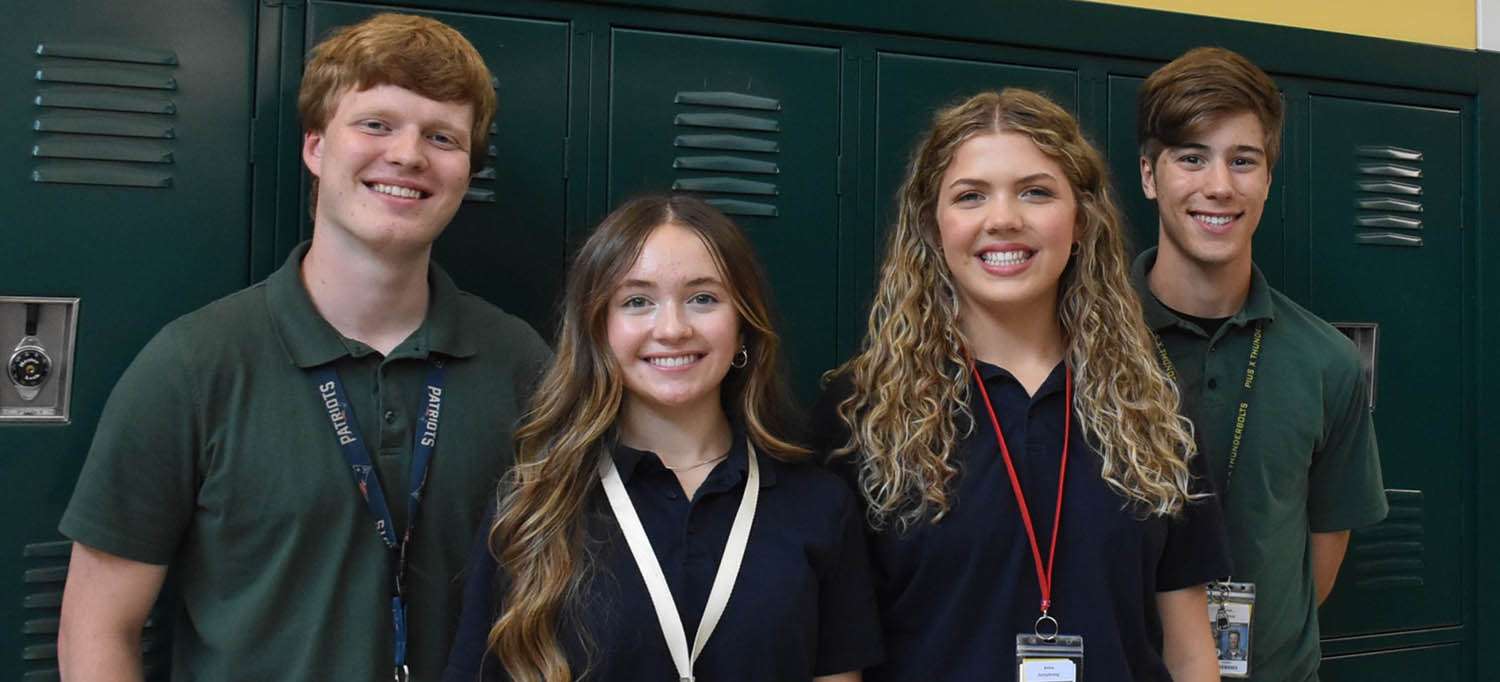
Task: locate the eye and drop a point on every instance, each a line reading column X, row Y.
column 1190, row 160
column 373, row 125
column 1244, row 162
column 635, row 301
column 968, row 197
column 444, row 140
column 703, row 298
column 1037, row 193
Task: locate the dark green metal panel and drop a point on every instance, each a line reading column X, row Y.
column 911, row 87
column 128, row 180
column 752, row 127
column 1428, row 663
column 1386, row 247
column 507, row 242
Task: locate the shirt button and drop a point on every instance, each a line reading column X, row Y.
column 1213, row 383
column 390, row 416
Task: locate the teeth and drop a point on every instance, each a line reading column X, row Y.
column 1004, row 257
column 674, row 361
column 1214, row 219
column 393, row 190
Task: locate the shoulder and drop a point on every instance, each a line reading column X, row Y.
column 1313, row 340
column 213, row 338
column 809, row 481
column 495, row 329
column 827, row 431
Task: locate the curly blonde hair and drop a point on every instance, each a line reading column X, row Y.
column 910, row 396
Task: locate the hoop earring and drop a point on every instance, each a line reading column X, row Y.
column 741, row 358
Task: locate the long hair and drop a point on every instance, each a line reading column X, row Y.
column 910, row 402
column 539, row 534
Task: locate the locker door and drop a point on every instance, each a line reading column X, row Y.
column 127, row 172
column 753, row 128
column 507, row 241
column 1123, row 149
column 911, row 88
column 1386, row 249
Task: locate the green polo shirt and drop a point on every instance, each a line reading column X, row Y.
column 1307, row 460
column 214, row 456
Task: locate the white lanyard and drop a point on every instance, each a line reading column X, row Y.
column 656, row 582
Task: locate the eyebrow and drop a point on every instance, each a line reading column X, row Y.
column 1034, row 177
column 647, row 284
column 1200, row 147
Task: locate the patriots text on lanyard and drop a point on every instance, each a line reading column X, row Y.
column 336, row 413
column 430, row 416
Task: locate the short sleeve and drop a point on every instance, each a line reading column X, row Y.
column 138, row 489
column 848, row 619
column 470, row 657
column 1197, row 546
column 1345, row 489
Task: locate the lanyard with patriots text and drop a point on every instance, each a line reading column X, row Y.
column 335, row 401
column 1043, row 575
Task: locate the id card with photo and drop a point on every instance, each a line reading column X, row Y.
column 1059, row 659
column 1230, row 610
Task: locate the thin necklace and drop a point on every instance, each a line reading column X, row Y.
column 690, row 467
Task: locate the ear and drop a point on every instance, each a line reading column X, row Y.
column 312, row 152
column 1148, row 178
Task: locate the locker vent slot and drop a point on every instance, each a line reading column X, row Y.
column 1386, row 202
column 743, row 145
column 44, row 570
column 482, row 182
column 105, row 115
column 1389, row 555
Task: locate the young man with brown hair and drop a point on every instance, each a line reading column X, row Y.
column 279, row 450
column 1277, row 395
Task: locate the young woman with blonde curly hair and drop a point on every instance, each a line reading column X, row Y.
column 656, row 502
column 1019, row 452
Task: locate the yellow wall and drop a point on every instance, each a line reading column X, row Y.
column 1438, row 22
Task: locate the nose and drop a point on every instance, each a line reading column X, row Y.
column 1217, row 184
column 1003, row 215
column 672, row 323
column 406, row 149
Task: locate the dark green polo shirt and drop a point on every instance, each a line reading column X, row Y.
column 1307, row 461
column 214, row 455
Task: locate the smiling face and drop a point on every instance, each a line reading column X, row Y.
column 392, row 167
column 1210, row 192
column 672, row 325
column 1006, row 214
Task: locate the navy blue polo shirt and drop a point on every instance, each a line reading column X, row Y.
column 953, row 595
column 803, row 604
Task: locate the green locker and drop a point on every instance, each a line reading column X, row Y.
column 1386, row 247
column 507, row 243
column 751, row 127
column 128, row 174
column 1427, row 663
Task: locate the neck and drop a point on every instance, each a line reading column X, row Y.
column 376, row 299
column 680, row 437
column 1187, row 286
column 1026, row 340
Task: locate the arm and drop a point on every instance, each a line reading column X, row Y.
column 1327, row 555
column 1187, row 643
column 105, row 604
column 841, row 677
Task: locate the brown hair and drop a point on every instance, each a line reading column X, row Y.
column 910, row 399
column 1205, row 84
column 538, row 537
column 419, row 54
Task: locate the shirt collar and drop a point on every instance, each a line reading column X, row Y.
column 992, row 374
column 309, row 340
column 1258, row 304
column 736, row 467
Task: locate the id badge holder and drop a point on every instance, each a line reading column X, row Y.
column 1230, row 609
column 1055, row 659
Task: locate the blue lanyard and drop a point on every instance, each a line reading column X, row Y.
column 334, row 399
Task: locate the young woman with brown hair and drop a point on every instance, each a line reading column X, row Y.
column 655, row 491
column 1019, row 452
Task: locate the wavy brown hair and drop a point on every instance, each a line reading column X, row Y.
column 539, row 536
column 910, row 399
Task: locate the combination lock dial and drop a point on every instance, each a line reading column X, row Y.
column 29, row 365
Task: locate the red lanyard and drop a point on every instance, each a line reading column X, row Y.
column 1043, row 576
